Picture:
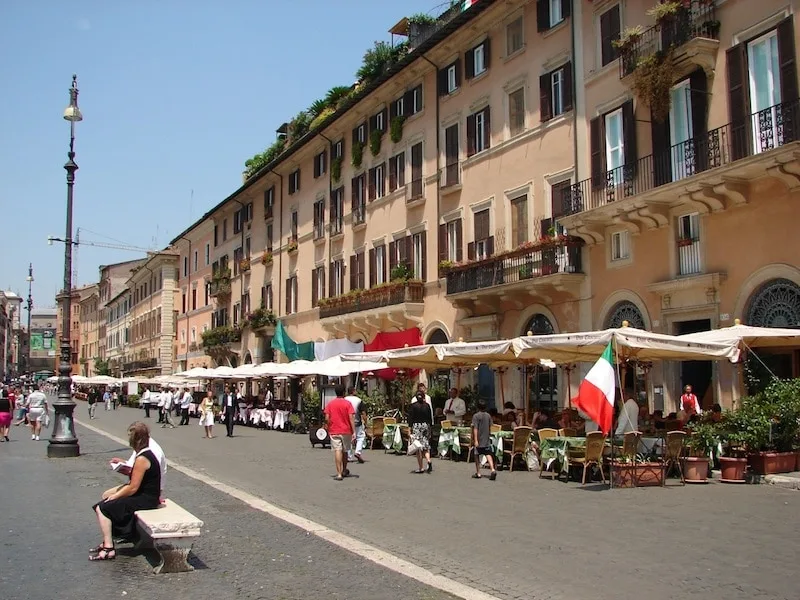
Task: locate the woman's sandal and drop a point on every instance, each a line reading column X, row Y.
column 97, row 549
column 476, row 476
column 104, row 554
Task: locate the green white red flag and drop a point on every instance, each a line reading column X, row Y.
column 597, row 392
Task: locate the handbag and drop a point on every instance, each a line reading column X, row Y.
column 46, row 420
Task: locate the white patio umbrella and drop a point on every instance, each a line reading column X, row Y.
column 750, row 336
column 195, row 373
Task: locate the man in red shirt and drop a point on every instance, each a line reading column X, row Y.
column 340, row 423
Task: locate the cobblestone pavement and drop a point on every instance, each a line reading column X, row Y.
column 520, row 536
column 48, row 528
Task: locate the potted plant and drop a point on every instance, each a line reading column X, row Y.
column 627, row 40
column 336, row 168
column 375, row 138
column 732, row 436
column 266, row 259
column 396, row 129
column 357, row 154
column 292, row 246
column 773, row 432
column 701, row 441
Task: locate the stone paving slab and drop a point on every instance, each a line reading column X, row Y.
column 520, row 536
column 48, row 528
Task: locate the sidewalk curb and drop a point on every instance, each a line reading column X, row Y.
column 789, row 483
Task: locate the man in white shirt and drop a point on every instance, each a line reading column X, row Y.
column 186, row 401
column 160, row 404
column 421, row 387
column 360, row 422
column 145, row 402
column 166, row 404
column 628, row 416
column 455, row 408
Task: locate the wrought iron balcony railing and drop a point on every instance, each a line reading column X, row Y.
column 387, row 294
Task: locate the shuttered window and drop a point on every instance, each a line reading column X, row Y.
column 609, row 31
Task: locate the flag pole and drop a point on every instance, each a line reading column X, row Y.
column 615, row 351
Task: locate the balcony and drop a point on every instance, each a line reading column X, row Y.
column 140, row 365
column 420, row 32
column 691, row 35
column 291, row 243
column 708, row 173
column 359, row 213
column 336, row 226
column 220, row 286
column 551, row 262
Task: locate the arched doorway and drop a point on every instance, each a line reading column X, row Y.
column 437, row 336
column 248, row 359
column 542, row 382
column 625, row 311
column 439, row 380
column 775, row 304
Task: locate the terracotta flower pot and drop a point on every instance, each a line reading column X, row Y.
column 732, row 469
column 695, row 469
column 768, row 463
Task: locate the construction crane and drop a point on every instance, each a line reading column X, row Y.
column 77, row 243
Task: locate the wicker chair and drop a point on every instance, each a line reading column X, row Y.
column 389, row 421
column 547, row 433
column 672, row 456
column 519, row 444
column 630, row 444
column 447, row 424
column 595, row 444
column 374, row 431
column 465, row 441
column 568, row 432
column 496, row 428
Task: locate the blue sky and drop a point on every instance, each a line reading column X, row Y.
column 175, row 95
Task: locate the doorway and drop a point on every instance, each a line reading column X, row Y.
column 697, row 373
column 486, row 385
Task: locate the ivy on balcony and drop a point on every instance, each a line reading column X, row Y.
column 259, row 318
column 217, row 341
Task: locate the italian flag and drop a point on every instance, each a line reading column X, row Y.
column 597, row 391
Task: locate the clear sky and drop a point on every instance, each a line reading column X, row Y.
column 175, row 96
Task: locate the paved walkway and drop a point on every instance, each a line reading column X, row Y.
column 48, row 528
column 518, row 537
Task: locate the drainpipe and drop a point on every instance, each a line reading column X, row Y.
column 330, row 224
column 577, row 102
column 280, row 239
column 438, row 165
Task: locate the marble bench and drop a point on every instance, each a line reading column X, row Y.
column 170, row 530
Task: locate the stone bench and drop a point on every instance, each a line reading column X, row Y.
column 170, row 530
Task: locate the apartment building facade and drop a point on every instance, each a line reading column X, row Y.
column 530, row 187
column 113, row 282
column 75, row 331
column 118, row 321
column 153, row 316
column 89, row 326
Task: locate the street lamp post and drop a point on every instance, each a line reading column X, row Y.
column 64, row 441
column 29, row 306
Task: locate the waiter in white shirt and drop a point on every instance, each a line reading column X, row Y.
column 161, row 397
column 229, row 410
column 455, row 408
column 186, row 402
column 628, row 416
column 146, row 403
column 422, row 388
column 166, row 401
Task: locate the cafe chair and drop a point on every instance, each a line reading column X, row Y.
column 447, row 424
column 546, row 433
column 496, row 428
column 465, row 441
column 519, row 445
column 595, row 444
column 568, row 432
column 672, row 457
column 389, row 421
column 374, row 432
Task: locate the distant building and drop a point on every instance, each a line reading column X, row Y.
column 43, row 340
column 11, row 305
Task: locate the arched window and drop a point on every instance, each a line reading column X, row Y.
column 625, row 311
column 438, row 336
column 542, row 382
column 775, row 304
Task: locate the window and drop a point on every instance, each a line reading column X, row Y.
column 451, row 151
column 478, row 132
column 266, row 297
column 483, row 246
column 450, row 78
column 238, row 220
column 320, row 164
column 519, row 220
column 224, row 229
column 377, row 267
column 477, row 59
column 397, row 171
column 337, row 278
column 357, row 271
column 238, row 256
column 269, row 202
column 194, row 298
column 550, row 13
column 416, row 171
column 337, row 210
column 688, row 243
column 609, row 32
column 689, row 227
column 515, row 38
column 560, row 198
column 615, row 144
column 555, row 89
column 183, row 302
column 360, row 134
column 270, row 237
column 185, row 266
column 194, row 335
column 516, row 112
column 399, row 251
column 206, row 293
column 380, row 119
column 358, row 199
column 293, row 226
column 620, row 245
column 453, row 240
column 237, row 310
column 337, row 151
column 418, row 258
column 294, row 181
column 208, row 254
column 764, row 74
column 216, row 236
column 416, row 99
column 398, row 107
column 291, row 295
column 319, row 219
column 196, row 259
column 317, row 285
column 377, row 182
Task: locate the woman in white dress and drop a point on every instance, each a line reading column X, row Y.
column 207, row 413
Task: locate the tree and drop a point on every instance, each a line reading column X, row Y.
column 101, row 367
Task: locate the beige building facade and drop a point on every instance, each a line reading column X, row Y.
column 89, row 326
column 510, row 176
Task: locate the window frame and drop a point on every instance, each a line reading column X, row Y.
column 521, row 21
column 452, row 79
column 523, row 126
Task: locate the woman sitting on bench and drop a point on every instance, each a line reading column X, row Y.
column 116, row 511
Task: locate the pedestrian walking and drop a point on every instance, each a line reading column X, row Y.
column 20, row 400
column 167, row 407
column 481, row 440
column 186, row 401
column 145, row 401
column 340, row 423
column 360, row 423
column 229, row 410
column 160, row 404
column 107, row 399
column 5, row 414
column 91, row 401
column 207, row 414
column 420, row 420
column 114, row 399
column 37, row 411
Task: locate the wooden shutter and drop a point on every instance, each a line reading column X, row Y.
column 471, row 251
column 316, row 166
column 392, row 258
column 392, row 173
column 787, row 60
column 353, row 272
column 543, row 15
column 408, row 103
column 371, row 185
column 629, row 137
column 289, row 296
column 331, row 279
column 566, row 7
column 385, row 114
column 597, row 155
column 442, row 82
column 662, row 159
column 738, row 100
column 469, row 64
column 361, row 270
column 458, row 72
column 698, row 98
column 545, row 97
column 567, row 93
column 490, row 246
column 609, row 31
column 459, row 241
column 424, row 274
column 409, row 250
column 393, row 109
column 373, row 268
column 486, row 52
column 354, row 196
column 314, row 288
column 470, row 135
column 443, row 254
column 487, row 126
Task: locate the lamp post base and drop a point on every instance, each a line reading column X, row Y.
column 57, row 450
column 63, row 442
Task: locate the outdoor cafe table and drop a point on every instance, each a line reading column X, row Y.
column 558, row 448
column 393, row 436
column 449, row 439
